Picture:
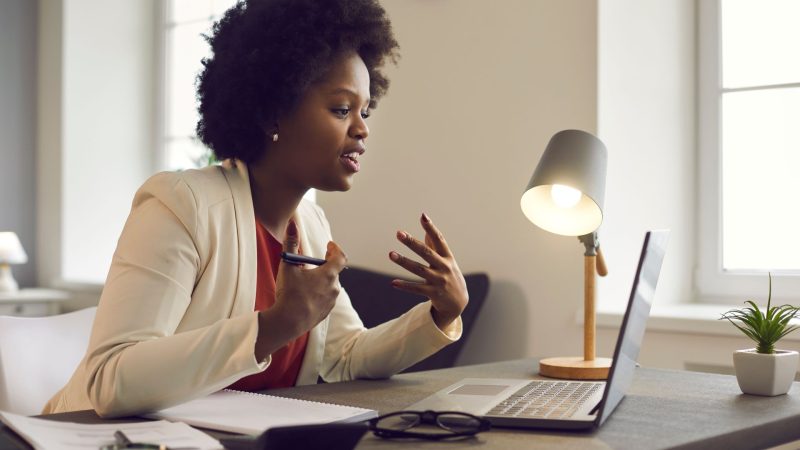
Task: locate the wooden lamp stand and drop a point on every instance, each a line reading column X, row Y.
column 589, row 367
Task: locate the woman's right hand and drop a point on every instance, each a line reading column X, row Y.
column 303, row 297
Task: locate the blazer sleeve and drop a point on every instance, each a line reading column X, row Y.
column 136, row 361
column 353, row 351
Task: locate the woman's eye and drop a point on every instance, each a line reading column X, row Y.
column 341, row 112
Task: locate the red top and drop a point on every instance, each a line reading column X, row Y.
column 285, row 365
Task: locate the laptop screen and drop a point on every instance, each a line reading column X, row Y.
column 631, row 332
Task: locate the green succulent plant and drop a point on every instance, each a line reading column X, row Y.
column 764, row 327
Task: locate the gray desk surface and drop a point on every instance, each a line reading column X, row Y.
column 664, row 409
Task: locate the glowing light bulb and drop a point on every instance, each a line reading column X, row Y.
column 565, row 196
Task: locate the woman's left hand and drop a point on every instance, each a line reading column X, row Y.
column 442, row 281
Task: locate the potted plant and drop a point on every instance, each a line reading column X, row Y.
column 764, row 370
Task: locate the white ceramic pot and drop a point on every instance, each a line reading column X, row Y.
column 765, row 374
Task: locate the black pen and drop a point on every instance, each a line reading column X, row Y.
column 122, row 441
column 294, row 258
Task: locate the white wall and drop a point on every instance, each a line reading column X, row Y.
column 109, row 106
column 479, row 90
column 100, row 125
column 18, row 26
column 646, row 113
column 48, row 140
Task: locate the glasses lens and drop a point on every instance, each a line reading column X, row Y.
column 459, row 423
column 398, row 422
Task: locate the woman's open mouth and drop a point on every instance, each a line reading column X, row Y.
column 350, row 161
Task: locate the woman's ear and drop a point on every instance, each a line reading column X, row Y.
column 272, row 132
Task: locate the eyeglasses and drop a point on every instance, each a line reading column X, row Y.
column 122, row 442
column 446, row 425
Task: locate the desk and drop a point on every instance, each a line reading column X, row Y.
column 664, row 409
column 32, row 302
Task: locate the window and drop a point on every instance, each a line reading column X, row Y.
column 97, row 132
column 749, row 88
column 186, row 22
column 184, row 48
column 102, row 137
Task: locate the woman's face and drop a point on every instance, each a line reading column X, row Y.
column 320, row 141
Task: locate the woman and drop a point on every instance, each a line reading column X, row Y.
column 197, row 298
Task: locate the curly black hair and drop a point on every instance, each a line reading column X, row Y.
column 265, row 54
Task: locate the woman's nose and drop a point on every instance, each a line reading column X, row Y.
column 360, row 130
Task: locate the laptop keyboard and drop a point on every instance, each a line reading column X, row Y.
column 546, row 399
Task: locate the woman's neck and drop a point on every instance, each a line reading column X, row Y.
column 275, row 199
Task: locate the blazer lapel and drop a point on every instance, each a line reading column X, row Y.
column 239, row 182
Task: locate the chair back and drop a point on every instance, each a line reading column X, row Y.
column 38, row 356
column 376, row 301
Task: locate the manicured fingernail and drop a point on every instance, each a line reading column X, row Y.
column 291, row 230
column 425, row 218
column 394, row 256
column 401, row 235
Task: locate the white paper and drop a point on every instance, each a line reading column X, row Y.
column 51, row 435
column 252, row 413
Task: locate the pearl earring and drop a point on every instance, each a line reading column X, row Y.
column 275, row 137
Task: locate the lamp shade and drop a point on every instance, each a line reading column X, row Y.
column 11, row 251
column 566, row 192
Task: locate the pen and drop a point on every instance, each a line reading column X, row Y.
column 123, row 442
column 294, row 258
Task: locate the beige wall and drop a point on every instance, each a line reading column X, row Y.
column 479, row 90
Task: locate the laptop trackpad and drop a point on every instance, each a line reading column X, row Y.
column 479, row 389
column 472, row 395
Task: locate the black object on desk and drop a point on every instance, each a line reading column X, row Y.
column 10, row 440
column 334, row 436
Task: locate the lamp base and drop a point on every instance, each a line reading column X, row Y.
column 7, row 281
column 575, row 368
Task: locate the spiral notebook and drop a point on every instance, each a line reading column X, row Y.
column 251, row 413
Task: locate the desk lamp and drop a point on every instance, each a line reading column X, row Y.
column 11, row 252
column 565, row 196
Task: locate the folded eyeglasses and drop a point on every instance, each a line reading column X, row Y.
column 431, row 425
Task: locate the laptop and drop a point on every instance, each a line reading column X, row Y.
column 564, row 404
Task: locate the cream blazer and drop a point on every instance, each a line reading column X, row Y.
column 176, row 317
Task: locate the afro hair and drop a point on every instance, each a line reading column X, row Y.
column 266, row 53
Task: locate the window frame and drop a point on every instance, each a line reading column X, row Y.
column 713, row 283
column 53, row 252
column 166, row 24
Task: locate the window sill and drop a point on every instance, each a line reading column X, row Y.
column 76, row 287
column 82, row 295
column 690, row 318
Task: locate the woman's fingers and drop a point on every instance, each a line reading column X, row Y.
column 412, row 266
column 335, row 258
column 414, row 287
column 291, row 241
column 442, row 281
column 425, row 251
column 434, row 237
